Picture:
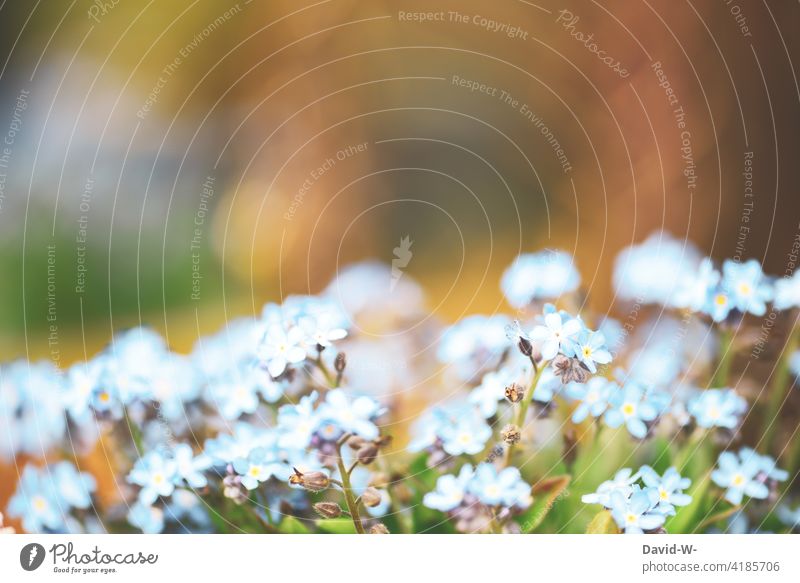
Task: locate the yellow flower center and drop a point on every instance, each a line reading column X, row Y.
column 628, row 409
column 39, row 503
column 721, row 299
column 738, row 480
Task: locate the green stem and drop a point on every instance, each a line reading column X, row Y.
column 722, row 373
column 522, row 412
column 691, row 446
column 325, row 372
column 780, row 385
column 352, row 506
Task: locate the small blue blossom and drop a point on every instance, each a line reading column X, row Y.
column 745, row 474
column 155, row 473
column 593, row 397
column 260, row 465
column 149, row 519
column 636, row 513
column 536, row 276
column 297, row 423
column 591, row 349
column 695, row 287
column 649, row 272
column 474, row 344
column 787, row 292
column 633, row 407
column 190, row 467
column 352, row 415
column 466, row 435
column 717, row 408
column 719, row 304
column 622, row 482
column 668, row 487
column 789, row 517
column 556, row 335
column 450, row 490
column 36, row 504
column 747, row 286
column 72, row 488
column 281, row 347
column 503, row 488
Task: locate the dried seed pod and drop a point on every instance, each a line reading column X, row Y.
column 515, row 393
column 371, row 497
column 328, row 509
column 511, row 434
column 379, row 528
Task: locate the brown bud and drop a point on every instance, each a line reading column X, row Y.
column 356, row 442
column 371, row 497
column 525, row 346
column 340, row 362
column 313, row 481
column 328, row 509
column 367, row 453
column 515, row 393
column 379, row 528
column 510, row 434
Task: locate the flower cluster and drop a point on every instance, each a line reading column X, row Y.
column 639, row 507
column 296, row 420
column 476, row 495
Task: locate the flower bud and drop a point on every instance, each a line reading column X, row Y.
column 328, row 509
column 313, row 481
column 371, row 497
column 379, row 528
column 367, row 453
column 510, row 434
column 515, row 393
column 340, row 362
column 525, row 346
column 356, row 442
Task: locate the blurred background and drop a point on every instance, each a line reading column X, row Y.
column 178, row 164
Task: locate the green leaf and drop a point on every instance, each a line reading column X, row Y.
column 291, row 525
column 336, row 525
column 602, row 523
column 545, row 494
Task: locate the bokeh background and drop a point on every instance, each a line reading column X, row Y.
column 177, row 164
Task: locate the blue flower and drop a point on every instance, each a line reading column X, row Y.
column 719, row 305
column 787, row 292
column 352, row 415
column 467, row 434
column 648, row 272
column 260, row 465
column 557, row 335
column 190, row 467
column 297, row 423
column 548, row 386
column 695, row 287
column 149, row 519
column 156, row 474
column 745, row 474
column 281, row 347
column 789, row 517
column 450, row 490
column 544, row 275
column 593, row 395
column 474, row 344
column 717, row 408
column 636, row 513
column 668, row 487
column 747, row 286
column 591, row 349
column 72, row 488
column 36, row 504
column 622, row 483
column 633, row 406
column 503, row 488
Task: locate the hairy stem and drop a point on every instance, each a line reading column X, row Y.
column 522, row 412
column 352, row 505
